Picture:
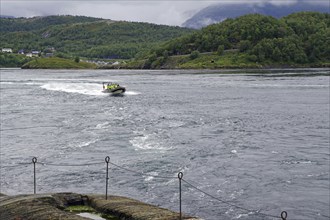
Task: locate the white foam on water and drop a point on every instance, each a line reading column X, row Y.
column 147, row 141
column 244, row 215
column 85, row 144
column 93, row 89
column 148, row 179
column 102, row 125
column 7, row 83
column 79, row 144
column 80, row 88
column 151, row 177
column 132, row 93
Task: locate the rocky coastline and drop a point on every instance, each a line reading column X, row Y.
column 54, row 206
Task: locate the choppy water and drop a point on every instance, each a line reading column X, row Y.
column 259, row 141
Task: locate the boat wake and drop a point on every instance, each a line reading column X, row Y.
column 93, row 89
column 132, row 93
column 80, row 88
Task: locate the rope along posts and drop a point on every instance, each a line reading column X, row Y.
column 140, row 173
column 35, row 161
column 283, row 213
column 69, row 165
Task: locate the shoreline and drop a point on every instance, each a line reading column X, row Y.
column 183, row 69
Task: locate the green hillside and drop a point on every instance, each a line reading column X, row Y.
column 13, row 60
column 251, row 41
column 57, row 63
column 300, row 39
column 72, row 36
column 37, row 23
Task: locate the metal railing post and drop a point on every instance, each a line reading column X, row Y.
column 284, row 215
column 107, row 160
column 34, row 161
column 180, row 175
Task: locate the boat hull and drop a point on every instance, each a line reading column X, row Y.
column 118, row 90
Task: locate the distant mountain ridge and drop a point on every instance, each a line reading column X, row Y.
column 219, row 12
column 11, row 24
column 6, row 16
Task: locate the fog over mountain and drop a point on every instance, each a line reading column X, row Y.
column 219, row 12
column 168, row 12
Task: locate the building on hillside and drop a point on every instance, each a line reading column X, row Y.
column 28, row 54
column 35, row 53
column 6, row 50
column 21, row 51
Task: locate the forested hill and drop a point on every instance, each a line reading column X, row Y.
column 299, row 38
column 219, row 11
column 84, row 36
column 37, row 23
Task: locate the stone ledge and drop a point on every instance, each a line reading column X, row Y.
column 51, row 206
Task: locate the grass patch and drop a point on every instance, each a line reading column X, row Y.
column 57, row 63
column 79, row 208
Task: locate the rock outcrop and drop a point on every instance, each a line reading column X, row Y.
column 52, row 206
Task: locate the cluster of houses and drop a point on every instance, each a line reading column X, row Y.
column 48, row 52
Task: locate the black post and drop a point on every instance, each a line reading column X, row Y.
column 34, row 161
column 180, row 175
column 107, row 160
column 284, row 215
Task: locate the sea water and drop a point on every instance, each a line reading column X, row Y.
column 250, row 144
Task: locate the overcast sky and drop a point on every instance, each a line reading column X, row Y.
column 173, row 12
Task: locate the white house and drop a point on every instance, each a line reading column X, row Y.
column 35, row 53
column 6, row 50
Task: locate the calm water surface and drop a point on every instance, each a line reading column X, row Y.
column 257, row 140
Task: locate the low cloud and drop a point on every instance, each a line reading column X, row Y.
column 159, row 12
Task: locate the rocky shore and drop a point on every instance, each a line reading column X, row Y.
column 54, row 206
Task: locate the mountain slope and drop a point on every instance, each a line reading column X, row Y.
column 219, row 12
column 300, row 39
column 84, row 36
column 8, row 24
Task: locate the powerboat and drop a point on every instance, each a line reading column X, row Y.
column 113, row 88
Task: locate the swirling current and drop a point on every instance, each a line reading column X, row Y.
column 256, row 142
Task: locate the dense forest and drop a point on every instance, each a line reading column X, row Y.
column 13, row 60
column 250, row 41
column 299, row 38
column 38, row 23
column 72, row 36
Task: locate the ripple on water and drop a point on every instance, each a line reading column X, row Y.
column 265, row 135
